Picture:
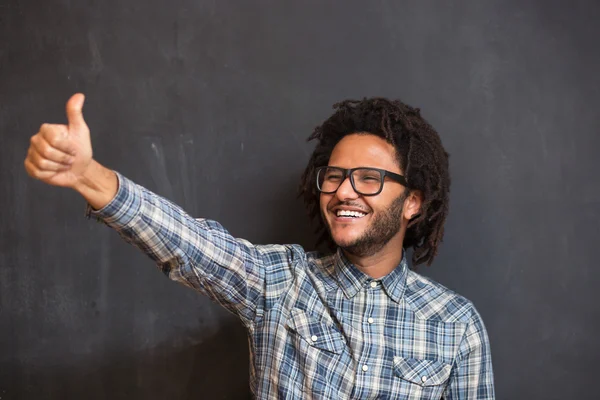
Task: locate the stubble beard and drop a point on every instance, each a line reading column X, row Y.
column 381, row 230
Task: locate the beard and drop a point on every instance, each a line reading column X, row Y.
column 381, row 230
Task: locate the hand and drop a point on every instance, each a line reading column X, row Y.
column 60, row 154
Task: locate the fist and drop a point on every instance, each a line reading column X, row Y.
column 60, row 154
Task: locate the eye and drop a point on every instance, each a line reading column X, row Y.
column 333, row 177
column 370, row 178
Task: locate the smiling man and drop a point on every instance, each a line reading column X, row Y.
column 353, row 323
column 364, row 217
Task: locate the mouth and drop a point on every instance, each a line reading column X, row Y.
column 348, row 215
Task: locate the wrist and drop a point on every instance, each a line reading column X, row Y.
column 98, row 185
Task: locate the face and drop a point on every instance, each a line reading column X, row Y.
column 381, row 215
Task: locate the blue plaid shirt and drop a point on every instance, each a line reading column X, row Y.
column 318, row 327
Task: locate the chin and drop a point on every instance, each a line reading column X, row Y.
column 345, row 240
column 345, row 236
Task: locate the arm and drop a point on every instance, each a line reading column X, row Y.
column 198, row 253
column 473, row 377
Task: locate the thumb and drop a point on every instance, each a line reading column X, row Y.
column 74, row 113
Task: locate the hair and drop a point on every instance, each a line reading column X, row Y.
column 419, row 152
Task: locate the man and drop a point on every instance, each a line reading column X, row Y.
column 353, row 324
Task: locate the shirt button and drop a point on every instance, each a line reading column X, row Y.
column 365, row 368
column 314, row 338
column 371, row 320
column 373, row 284
column 423, row 379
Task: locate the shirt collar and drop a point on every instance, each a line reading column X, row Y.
column 351, row 280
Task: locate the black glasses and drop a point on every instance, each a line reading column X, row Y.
column 366, row 181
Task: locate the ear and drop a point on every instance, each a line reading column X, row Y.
column 412, row 204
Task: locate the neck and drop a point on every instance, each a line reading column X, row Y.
column 381, row 263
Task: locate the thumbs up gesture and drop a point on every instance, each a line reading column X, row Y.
column 60, row 154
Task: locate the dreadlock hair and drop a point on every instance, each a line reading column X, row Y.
column 419, row 152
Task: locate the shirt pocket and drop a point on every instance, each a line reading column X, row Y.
column 423, row 372
column 316, row 333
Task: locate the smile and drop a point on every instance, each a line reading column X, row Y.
column 350, row 214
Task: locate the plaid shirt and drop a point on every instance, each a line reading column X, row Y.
column 318, row 327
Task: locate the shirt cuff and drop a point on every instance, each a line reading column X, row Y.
column 123, row 208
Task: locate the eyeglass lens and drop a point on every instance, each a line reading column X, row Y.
column 364, row 180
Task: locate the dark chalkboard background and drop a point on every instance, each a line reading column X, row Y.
column 202, row 100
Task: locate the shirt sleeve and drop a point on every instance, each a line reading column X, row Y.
column 199, row 253
column 473, row 376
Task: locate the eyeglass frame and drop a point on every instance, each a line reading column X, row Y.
column 349, row 173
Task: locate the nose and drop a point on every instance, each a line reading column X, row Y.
column 346, row 191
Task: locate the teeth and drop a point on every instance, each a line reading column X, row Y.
column 345, row 213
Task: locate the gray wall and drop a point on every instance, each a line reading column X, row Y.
column 201, row 100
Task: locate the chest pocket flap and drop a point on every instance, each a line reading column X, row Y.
column 421, row 371
column 318, row 334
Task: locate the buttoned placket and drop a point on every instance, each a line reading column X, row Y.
column 371, row 287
